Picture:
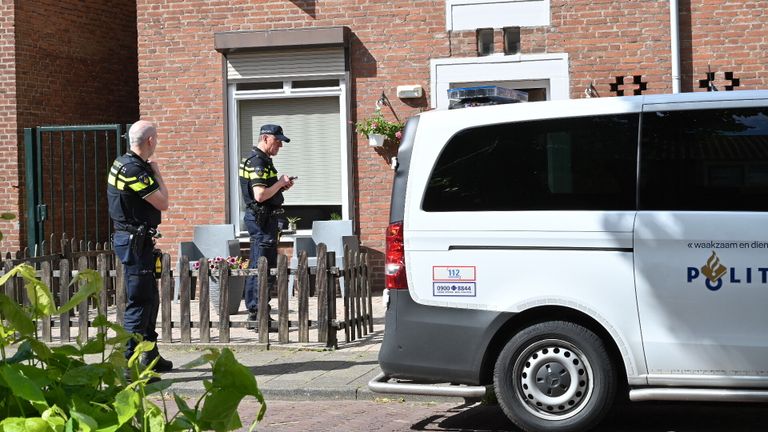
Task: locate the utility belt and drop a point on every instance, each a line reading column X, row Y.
column 140, row 234
column 263, row 212
column 139, row 229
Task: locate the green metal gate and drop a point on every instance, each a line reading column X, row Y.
column 66, row 171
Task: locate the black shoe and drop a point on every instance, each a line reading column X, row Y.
column 271, row 325
column 271, row 329
column 162, row 364
column 254, row 316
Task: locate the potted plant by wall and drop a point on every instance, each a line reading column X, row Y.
column 378, row 129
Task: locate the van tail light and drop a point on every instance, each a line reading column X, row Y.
column 394, row 263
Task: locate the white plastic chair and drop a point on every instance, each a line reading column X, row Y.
column 335, row 234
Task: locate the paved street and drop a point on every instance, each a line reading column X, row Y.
column 391, row 416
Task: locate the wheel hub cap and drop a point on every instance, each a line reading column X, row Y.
column 555, row 379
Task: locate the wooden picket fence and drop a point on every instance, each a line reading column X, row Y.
column 57, row 269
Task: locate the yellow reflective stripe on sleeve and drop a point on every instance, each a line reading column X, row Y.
column 139, row 186
column 266, row 175
column 245, row 172
column 113, row 174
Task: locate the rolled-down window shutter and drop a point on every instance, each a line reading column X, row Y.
column 267, row 64
column 314, row 153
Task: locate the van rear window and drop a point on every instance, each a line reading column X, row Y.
column 580, row 163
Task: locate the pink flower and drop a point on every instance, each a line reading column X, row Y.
column 398, row 134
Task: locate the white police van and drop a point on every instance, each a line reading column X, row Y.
column 572, row 252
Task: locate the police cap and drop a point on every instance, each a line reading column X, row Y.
column 275, row 130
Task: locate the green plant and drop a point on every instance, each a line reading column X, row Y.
column 56, row 389
column 292, row 220
column 377, row 124
column 335, row 216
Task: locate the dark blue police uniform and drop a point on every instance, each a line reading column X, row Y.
column 257, row 170
column 130, row 180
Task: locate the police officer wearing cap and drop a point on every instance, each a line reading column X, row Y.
column 136, row 195
column 262, row 190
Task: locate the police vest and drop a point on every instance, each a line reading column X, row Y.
column 130, row 180
column 258, row 170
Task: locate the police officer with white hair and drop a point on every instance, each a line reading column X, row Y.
column 136, row 194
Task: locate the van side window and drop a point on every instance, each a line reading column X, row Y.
column 580, row 163
column 714, row 160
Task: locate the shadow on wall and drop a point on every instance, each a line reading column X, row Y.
column 308, row 6
column 364, row 64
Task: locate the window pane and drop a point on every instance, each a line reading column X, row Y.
column 314, row 153
column 511, row 40
column 705, row 160
column 273, row 85
column 484, row 41
column 314, row 84
column 585, row 163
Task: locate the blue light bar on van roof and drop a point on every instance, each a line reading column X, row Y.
column 484, row 95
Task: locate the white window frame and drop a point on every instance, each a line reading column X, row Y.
column 549, row 71
column 234, row 96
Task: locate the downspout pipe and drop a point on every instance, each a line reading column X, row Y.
column 674, row 36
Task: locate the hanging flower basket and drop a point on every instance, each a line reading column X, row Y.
column 376, row 140
column 378, row 129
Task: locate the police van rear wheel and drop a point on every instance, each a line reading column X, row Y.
column 555, row 376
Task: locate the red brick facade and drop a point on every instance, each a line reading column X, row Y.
column 64, row 63
column 61, row 63
column 392, row 43
column 9, row 161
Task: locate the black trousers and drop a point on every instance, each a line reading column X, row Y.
column 143, row 298
column 263, row 243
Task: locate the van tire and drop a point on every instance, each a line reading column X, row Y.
column 534, row 378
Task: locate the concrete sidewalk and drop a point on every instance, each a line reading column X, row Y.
column 292, row 371
column 287, row 373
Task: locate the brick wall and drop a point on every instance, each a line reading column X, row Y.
column 181, row 89
column 76, row 63
column 728, row 36
column 392, row 43
column 605, row 39
column 9, row 164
